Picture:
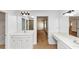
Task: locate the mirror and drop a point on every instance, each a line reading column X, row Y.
column 31, row 22
column 27, row 24
column 23, row 24
column 74, row 25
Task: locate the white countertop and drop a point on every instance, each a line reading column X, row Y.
column 67, row 39
column 22, row 33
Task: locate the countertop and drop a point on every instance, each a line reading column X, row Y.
column 67, row 39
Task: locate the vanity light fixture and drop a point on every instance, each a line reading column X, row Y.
column 25, row 13
column 69, row 13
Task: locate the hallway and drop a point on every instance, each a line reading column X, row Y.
column 42, row 41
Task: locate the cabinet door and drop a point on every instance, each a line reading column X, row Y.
column 61, row 45
column 15, row 43
column 27, row 43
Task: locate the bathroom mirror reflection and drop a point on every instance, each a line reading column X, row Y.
column 74, row 25
column 27, row 24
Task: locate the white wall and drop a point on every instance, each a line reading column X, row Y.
column 64, row 24
column 12, row 24
column 56, row 23
column 53, row 25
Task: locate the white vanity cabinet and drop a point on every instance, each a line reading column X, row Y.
column 20, row 35
column 62, row 42
column 62, row 45
column 21, row 41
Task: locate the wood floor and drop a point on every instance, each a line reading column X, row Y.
column 2, row 46
column 42, row 41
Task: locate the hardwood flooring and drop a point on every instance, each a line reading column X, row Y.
column 2, row 46
column 42, row 41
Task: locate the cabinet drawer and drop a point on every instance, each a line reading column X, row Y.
column 20, row 37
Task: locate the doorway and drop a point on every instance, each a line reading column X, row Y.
column 42, row 31
column 2, row 30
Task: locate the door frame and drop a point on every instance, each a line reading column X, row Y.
column 47, row 22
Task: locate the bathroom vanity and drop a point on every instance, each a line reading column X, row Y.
column 20, row 32
column 66, row 41
column 21, row 41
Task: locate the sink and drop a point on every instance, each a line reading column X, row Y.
column 76, row 41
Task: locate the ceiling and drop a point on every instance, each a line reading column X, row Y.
column 17, row 12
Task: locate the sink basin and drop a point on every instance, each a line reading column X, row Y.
column 76, row 41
